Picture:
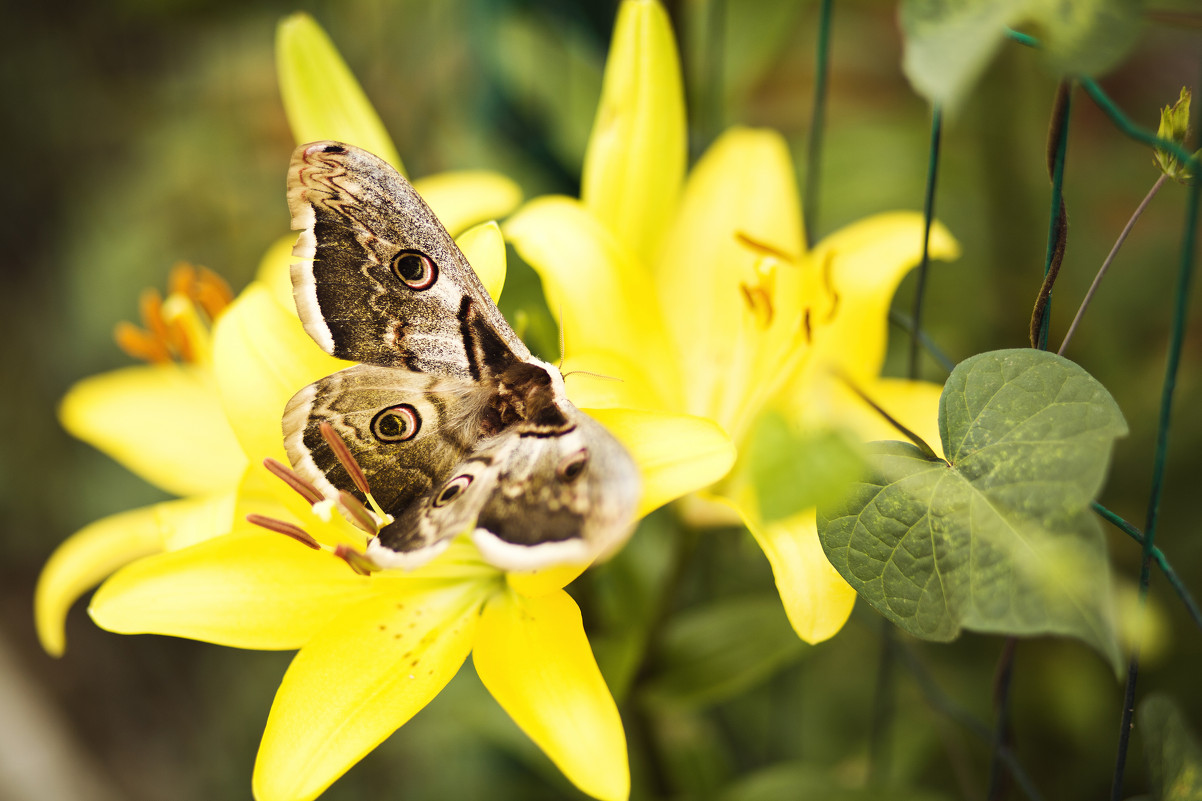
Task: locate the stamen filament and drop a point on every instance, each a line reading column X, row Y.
column 298, row 484
column 356, row 559
column 180, row 342
column 343, row 453
column 182, row 279
column 763, row 248
column 284, row 527
column 211, row 292
column 140, row 344
column 358, row 513
column 151, row 305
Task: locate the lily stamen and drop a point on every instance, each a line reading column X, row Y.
column 298, row 484
column 176, row 328
column 202, row 286
column 351, row 508
column 140, row 344
column 345, row 457
column 358, row 561
column 763, row 248
column 347, row 460
column 284, row 527
column 358, row 514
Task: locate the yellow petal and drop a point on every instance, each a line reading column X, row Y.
column 592, row 284
column 636, row 155
column 275, row 271
column 357, row 682
column 191, row 520
column 676, row 454
column 865, row 262
column 262, row 357
column 534, row 583
column 262, row 591
column 164, row 422
column 727, row 272
column 532, row 655
column 484, row 248
column 321, row 96
column 604, row 379
column 464, row 198
column 84, row 560
column 817, row 599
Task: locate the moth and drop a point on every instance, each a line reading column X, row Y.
column 456, row 425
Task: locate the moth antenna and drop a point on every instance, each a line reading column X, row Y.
column 594, row 375
column 345, row 457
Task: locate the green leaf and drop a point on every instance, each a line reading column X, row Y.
column 949, row 43
column 321, row 96
column 784, row 471
column 719, row 650
column 1086, row 37
column 1174, row 755
column 1001, row 539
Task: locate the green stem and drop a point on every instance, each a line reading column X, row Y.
column 1176, row 342
column 942, row 703
column 999, row 779
column 927, row 451
column 1058, row 220
column 882, row 709
column 928, row 214
column 1159, row 558
column 907, row 324
column 1118, row 243
column 1116, row 115
column 809, row 211
column 1124, row 123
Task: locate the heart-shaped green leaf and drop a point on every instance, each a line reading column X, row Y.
column 1000, row 538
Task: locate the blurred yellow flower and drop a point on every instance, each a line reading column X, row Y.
column 373, row 649
column 164, row 421
column 167, row 421
column 713, row 304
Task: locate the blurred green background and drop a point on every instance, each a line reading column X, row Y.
column 144, row 132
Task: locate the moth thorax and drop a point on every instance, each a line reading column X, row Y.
column 525, row 394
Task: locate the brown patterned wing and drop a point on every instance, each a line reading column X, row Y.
column 381, row 280
column 530, row 499
column 407, row 431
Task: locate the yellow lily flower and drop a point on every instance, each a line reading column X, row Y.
column 373, row 650
column 134, row 414
column 714, row 305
